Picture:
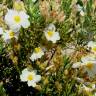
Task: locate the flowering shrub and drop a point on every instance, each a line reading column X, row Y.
column 47, row 47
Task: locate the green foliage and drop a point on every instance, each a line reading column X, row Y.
column 60, row 82
column 1, row 47
column 66, row 6
column 75, row 29
column 2, row 90
column 33, row 11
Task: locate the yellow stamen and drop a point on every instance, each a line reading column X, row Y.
column 94, row 49
column 37, row 50
column 50, row 33
column 30, row 77
column 11, row 34
column 17, row 19
column 89, row 65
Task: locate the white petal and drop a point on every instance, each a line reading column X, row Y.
column 6, row 37
column 31, row 83
column 24, row 75
column 54, row 41
column 40, row 54
column 25, row 23
column 25, row 70
column 88, row 58
column 90, row 44
column 23, row 15
column 51, row 27
column 37, row 78
column 33, row 57
column 23, row 78
column 55, row 37
column 15, row 27
column 76, row 65
column 1, row 31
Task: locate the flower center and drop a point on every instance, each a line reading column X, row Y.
column 30, row 77
column 94, row 49
column 37, row 50
column 11, row 34
column 17, row 19
column 89, row 65
column 50, row 33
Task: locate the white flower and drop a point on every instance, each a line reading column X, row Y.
column 89, row 57
column 17, row 19
column 89, row 64
column 38, row 53
column 92, row 46
column 1, row 31
column 8, row 34
column 30, row 77
column 50, row 33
